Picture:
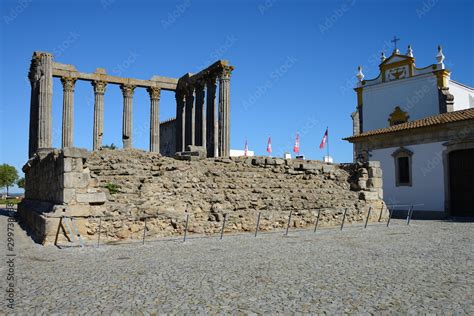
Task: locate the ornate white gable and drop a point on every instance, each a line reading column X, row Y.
column 402, row 66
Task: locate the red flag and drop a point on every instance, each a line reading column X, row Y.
column 325, row 139
column 246, row 149
column 296, row 148
column 269, row 145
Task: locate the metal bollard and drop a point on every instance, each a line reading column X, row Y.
column 317, row 220
column 59, row 229
column 410, row 213
column 288, row 225
column 100, row 228
column 186, row 227
column 368, row 215
column 389, row 215
column 223, row 224
column 144, row 233
column 258, row 223
column 343, row 218
column 380, row 216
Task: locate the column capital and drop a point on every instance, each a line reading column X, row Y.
column 38, row 54
column 154, row 92
column 127, row 90
column 225, row 72
column 35, row 70
column 68, row 84
column 99, row 86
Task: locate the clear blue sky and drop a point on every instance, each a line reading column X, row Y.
column 295, row 61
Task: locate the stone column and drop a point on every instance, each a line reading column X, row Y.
column 154, row 119
column 68, row 111
column 34, row 75
column 180, row 120
column 45, row 100
column 190, row 127
column 211, row 119
column 200, row 116
column 99, row 90
column 224, row 112
column 127, row 127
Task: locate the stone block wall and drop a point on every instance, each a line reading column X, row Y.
column 58, row 184
column 168, row 137
column 124, row 185
column 369, row 183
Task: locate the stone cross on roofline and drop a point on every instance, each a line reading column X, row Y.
column 394, row 41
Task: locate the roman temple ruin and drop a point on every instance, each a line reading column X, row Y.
column 187, row 173
column 200, row 121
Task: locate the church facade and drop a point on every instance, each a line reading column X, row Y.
column 419, row 123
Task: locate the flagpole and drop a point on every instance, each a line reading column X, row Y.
column 327, row 129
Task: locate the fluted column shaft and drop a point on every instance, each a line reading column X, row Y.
column 190, row 127
column 98, row 132
column 154, row 119
column 224, row 112
column 211, row 118
column 180, row 120
column 34, row 76
column 127, row 125
column 45, row 101
column 200, row 116
column 68, row 112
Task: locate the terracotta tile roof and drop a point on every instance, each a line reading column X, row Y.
column 449, row 117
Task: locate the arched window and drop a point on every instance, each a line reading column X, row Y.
column 403, row 166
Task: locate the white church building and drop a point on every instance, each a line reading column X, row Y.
column 419, row 123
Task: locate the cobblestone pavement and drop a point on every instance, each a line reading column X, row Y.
column 426, row 267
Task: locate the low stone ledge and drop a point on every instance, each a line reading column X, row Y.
column 75, row 152
column 309, row 166
column 329, row 168
column 369, row 196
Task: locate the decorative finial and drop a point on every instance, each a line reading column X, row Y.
column 409, row 51
column 440, row 56
column 382, row 57
column 360, row 75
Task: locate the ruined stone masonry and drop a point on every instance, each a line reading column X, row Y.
column 145, row 183
column 187, row 170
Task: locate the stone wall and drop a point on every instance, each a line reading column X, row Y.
column 133, row 184
column 168, row 137
column 57, row 184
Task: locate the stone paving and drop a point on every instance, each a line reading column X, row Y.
column 426, row 267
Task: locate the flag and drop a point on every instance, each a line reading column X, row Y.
column 325, row 139
column 269, row 145
column 246, row 148
column 296, row 148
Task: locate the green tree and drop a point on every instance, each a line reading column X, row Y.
column 21, row 183
column 8, row 176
